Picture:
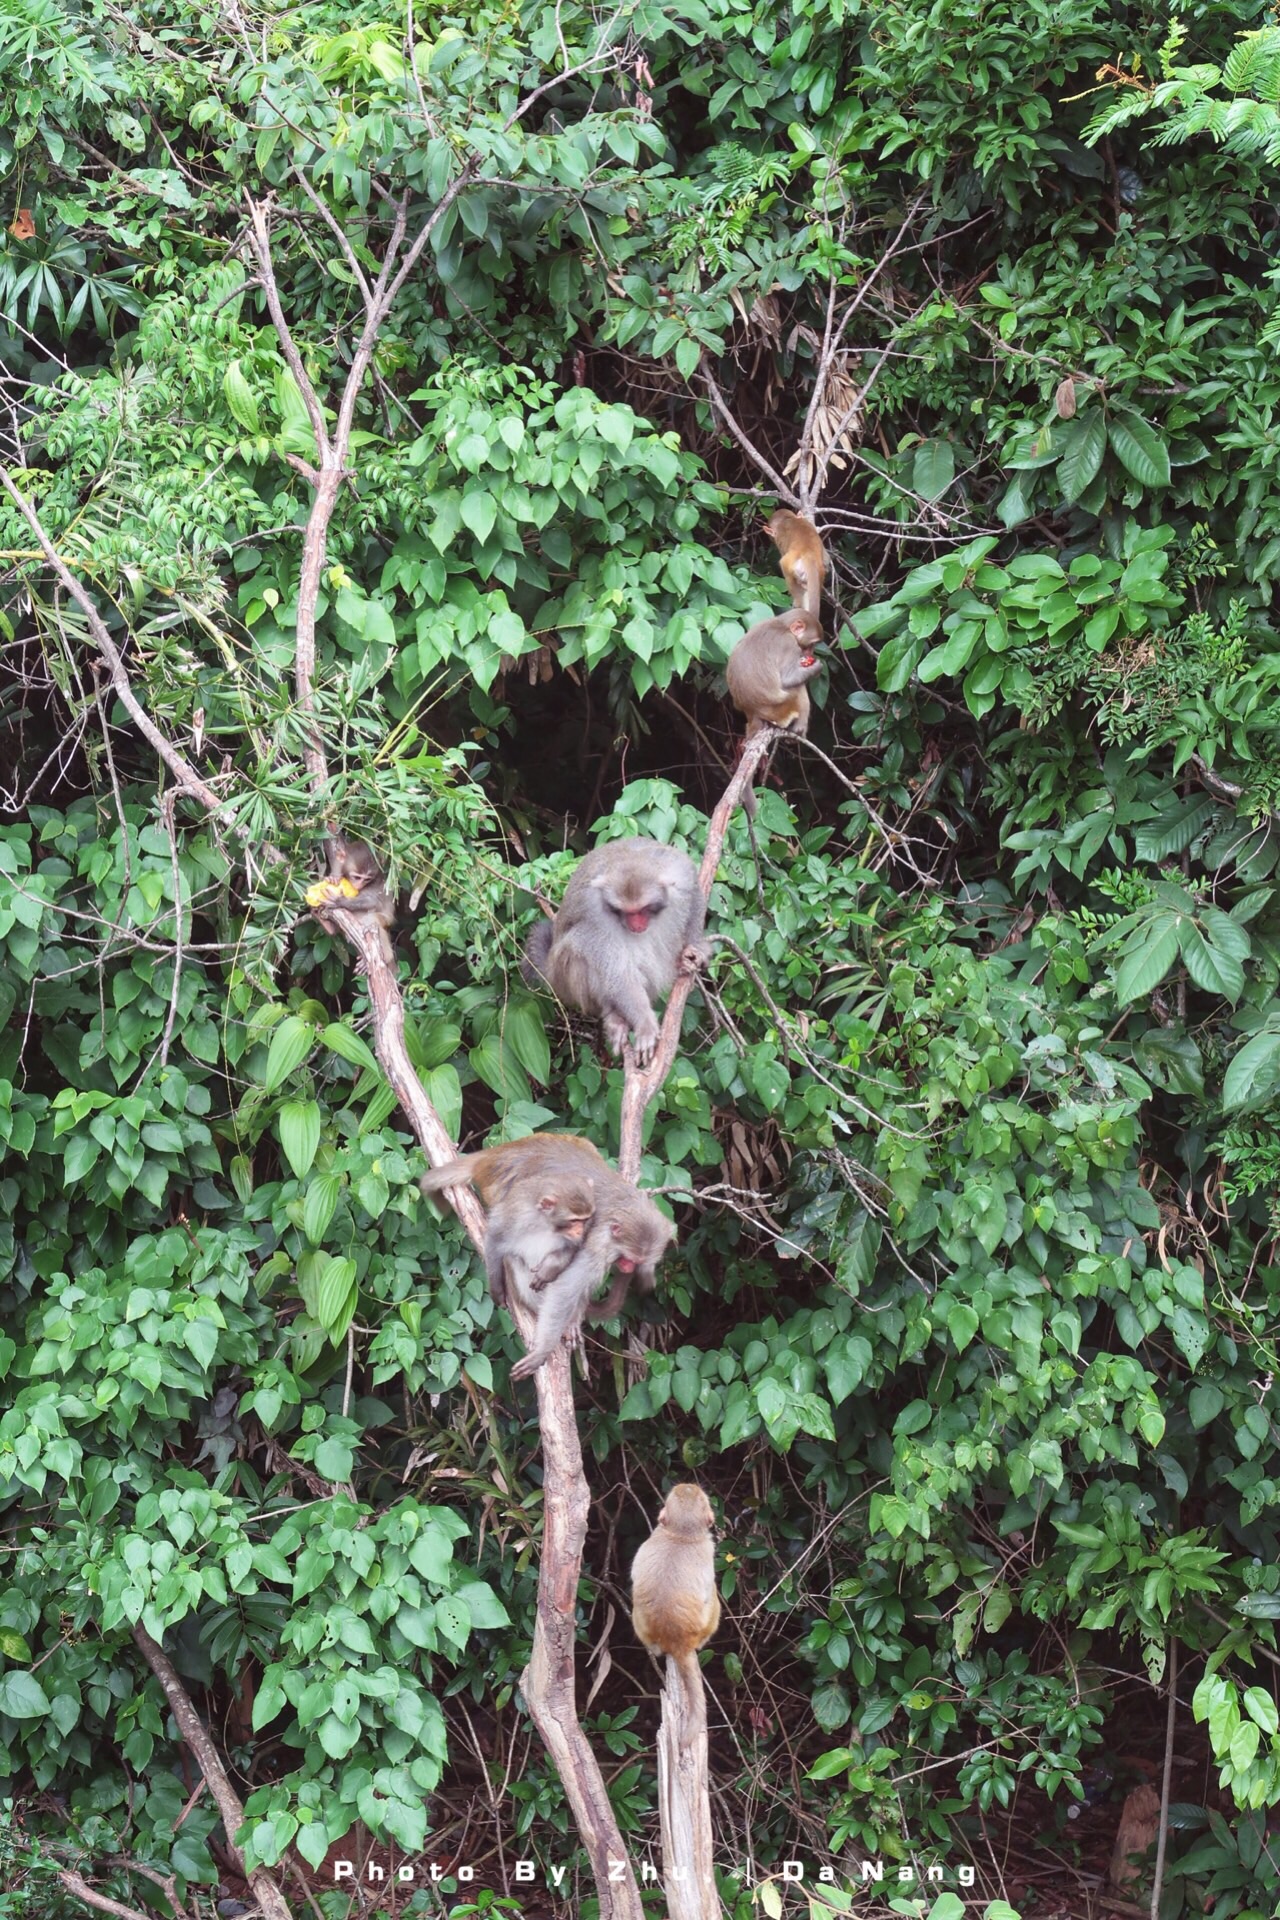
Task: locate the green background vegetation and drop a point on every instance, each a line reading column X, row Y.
column 971, row 1332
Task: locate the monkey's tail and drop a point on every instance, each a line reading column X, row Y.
column 454, row 1173
column 533, row 962
column 693, row 1717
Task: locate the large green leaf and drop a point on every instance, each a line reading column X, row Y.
column 1082, row 459
column 1147, row 962
column 1254, row 1074
column 1139, row 447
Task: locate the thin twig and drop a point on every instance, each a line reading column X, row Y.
column 1162, row 1835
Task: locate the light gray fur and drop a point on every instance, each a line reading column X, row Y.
column 591, row 959
column 628, row 1229
column 534, row 1230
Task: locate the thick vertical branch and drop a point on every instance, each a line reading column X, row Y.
column 549, row 1680
column 684, row 1801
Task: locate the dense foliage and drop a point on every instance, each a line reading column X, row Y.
column 975, row 1139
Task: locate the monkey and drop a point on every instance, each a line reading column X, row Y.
column 802, row 557
column 626, row 1231
column 675, row 1607
column 358, row 884
column 767, row 671
column 534, row 1230
column 631, row 919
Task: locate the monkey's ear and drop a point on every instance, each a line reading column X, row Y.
column 547, row 1203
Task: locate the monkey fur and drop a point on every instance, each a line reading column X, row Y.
column 626, row 1232
column 534, row 1231
column 357, row 883
column 631, row 919
column 802, row 557
column 675, row 1607
column 767, row 671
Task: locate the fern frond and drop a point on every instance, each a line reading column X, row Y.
column 1117, row 113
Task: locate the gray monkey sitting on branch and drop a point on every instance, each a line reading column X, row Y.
column 631, row 920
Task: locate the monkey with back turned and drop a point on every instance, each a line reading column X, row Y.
column 675, row 1607
column 802, row 557
column 535, row 1189
column 631, row 919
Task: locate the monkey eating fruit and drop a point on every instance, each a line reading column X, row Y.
column 767, row 672
column 631, row 919
column 358, row 884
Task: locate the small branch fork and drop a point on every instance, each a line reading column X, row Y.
column 640, row 1088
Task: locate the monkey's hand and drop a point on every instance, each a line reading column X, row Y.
column 694, row 957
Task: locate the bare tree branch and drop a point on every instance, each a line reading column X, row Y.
column 196, row 1737
column 184, row 773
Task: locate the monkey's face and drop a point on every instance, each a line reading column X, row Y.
column 570, row 1212
column 637, row 905
column 637, row 1245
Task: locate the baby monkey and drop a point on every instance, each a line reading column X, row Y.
column 767, row 672
column 802, row 557
column 560, row 1218
column 675, row 1608
column 358, row 884
column 631, row 919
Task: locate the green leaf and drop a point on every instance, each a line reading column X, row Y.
column 1082, row 458
column 1170, row 1059
column 524, row 1031
column 1254, row 1073
column 1146, row 965
column 1260, row 1706
column 22, row 1697
column 320, row 1205
column 478, row 511
column 1210, row 968
column 335, row 1297
column 962, row 1324
column 291, row 1042
column 239, row 397
column 897, row 662
column 1139, row 448
column 299, row 1128
column 933, row 468
column 349, row 1046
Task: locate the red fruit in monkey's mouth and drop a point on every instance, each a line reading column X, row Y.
column 808, row 659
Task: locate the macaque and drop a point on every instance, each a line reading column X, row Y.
column 675, row 1608
column 534, row 1230
column 631, row 919
column 358, row 884
column 625, row 1231
column 802, row 557
column 767, row 672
